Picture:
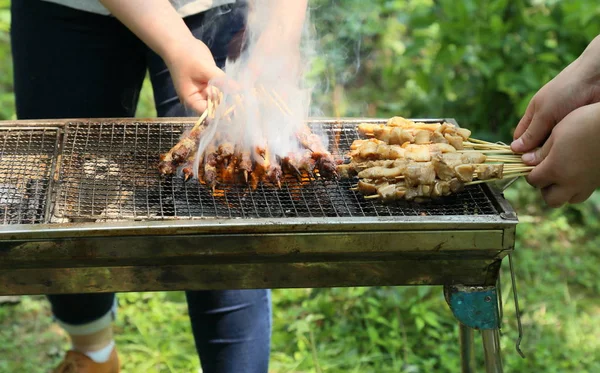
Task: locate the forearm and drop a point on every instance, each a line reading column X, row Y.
column 155, row 22
column 291, row 16
column 284, row 19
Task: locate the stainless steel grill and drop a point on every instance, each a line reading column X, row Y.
column 82, row 209
column 27, row 159
column 93, row 185
column 108, row 172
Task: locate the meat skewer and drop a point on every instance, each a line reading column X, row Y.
column 170, row 161
column 431, row 161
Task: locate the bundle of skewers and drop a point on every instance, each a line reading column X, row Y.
column 226, row 160
column 419, row 161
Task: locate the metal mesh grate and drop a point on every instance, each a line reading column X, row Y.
column 26, row 163
column 109, row 171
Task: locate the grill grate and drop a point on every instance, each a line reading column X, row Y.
column 109, row 171
column 26, row 163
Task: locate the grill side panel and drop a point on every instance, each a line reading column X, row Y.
column 27, row 167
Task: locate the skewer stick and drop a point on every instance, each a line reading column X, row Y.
column 504, row 160
column 487, row 151
column 517, row 156
column 515, row 174
column 210, row 108
column 486, row 146
column 229, row 110
column 505, row 176
column 273, row 99
column 282, row 102
column 481, row 181
column 200, row 120
column 482, row 141
column 375, row 196
column 520, row 168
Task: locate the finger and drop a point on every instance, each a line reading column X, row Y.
column 540, row 127
column 581, row 196
column 542, row 175
column 556, row 195
column 197, row 102
column 526, row 120
column 536, row 157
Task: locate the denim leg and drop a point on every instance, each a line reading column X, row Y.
column 74, row 64
column 232, row 329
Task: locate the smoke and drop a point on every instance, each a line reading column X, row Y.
column 265, row 98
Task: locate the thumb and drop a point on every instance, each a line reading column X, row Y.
column 525, row 120
column 540, row 127
column 536, row 157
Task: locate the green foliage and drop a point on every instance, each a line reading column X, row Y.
column 479, row 62
column 6, row 87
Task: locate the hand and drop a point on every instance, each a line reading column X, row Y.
column 576, row 86
column 568, row 165
column 158, row 24
column 193, row 69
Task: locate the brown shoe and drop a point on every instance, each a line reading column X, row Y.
column 76, row 362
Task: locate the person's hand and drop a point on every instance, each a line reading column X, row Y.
column 193, row 69
column 568, row 165
column 576, row 86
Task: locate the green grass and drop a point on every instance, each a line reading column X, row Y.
column 384, row 329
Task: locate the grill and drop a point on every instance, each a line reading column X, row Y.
column 82, row 209
column 86, row 195
column 107, row 171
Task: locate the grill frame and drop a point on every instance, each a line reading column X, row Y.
column 221, row 253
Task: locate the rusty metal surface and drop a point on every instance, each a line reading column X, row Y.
column 193, row 276
column 27, row 159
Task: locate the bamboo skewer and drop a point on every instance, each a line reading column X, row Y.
column 282, row 102
column 503, row 151
column 486, row 146
column 504, row 176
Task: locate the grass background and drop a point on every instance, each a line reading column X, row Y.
column 478, row 62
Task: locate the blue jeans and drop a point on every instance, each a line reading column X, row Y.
column 74, row 64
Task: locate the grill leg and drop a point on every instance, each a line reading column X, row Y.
column 491, row 347
column 467, row 354
column 476, row 307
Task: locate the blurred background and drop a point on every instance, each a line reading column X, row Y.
column 477, row 61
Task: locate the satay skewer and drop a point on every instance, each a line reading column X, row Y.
column 506, row 176
column 493, row 151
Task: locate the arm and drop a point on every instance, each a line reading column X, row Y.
column 277, row 26
column 159, row 26
column 155, row 22
column 286, row 19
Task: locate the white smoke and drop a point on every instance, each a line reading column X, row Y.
column 265, row 98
